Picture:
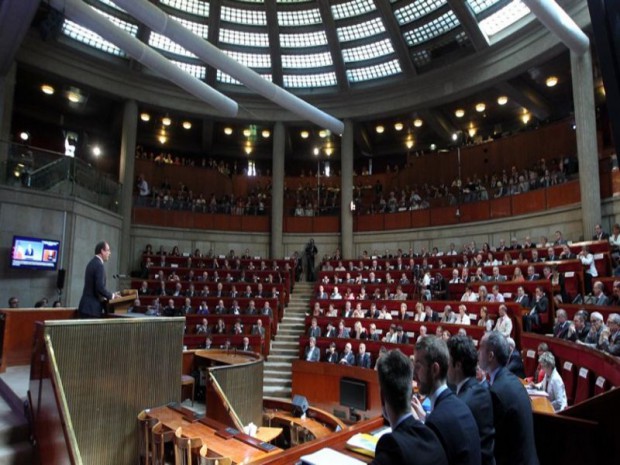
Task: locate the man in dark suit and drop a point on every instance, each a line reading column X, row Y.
column 515, row 362
column 512, row 409
column 348, row 357
column 331, row 356
column 363, row 358
column 522, row 298
column 450, row 418
column 410, row 442
column 538, row 306
column 599, row 234
column 462, row 374
column 95, row 295
column 312, row 352
column 560, row 330
column 314, row 330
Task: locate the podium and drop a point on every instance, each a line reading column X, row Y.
column 122, row 303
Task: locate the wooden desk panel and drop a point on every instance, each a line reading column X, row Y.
column 237, row 450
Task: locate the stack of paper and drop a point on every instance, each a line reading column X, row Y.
column 363, row 443
column 329, row 456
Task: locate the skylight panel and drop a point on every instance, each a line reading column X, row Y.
column 228, row 79
column 310, row 80
column 88, row 37
column 163, row 43
column 431, row 29
column 352, row 8
column 415, row 10
column 369, row 51
column 504, row 17
column 197, row 71
column 478, row 6
column 124, row 25
column 315, row 60
column 421, row 57
column 293, row 1
column 201, row 30
column 359, row 31
column 249, row 39
column 252, row 60
column 243, row 16
column 299, row 17
column 368, row 73
column 303, row 39
column 195, row 7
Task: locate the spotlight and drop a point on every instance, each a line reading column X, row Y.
column 25, row 136
column 187, row 125
column 145, row 117
column 502, row 100
column 418, row 122
column 47, row 89
column 166, row 121
column 551, row 81
column 398, row 126
column 455, row 136
column 74, row 97
column 304, row 134
column 266, row 133
column 329, row 151
column 380, row 129
column 162, row 139
column 316, row 151
column 480, row 107
column 97, row 151
column 247, row 132
column 228, row 130
column 525, row 117
column 459, row 113
column 323, row 133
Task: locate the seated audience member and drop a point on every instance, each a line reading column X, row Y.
column 203, row 327
column 448, row 315
column 552, row 382
column 496, row 276
column 515, row 362
column 363, row 358
column 446, row 335
column 347, row 357
column 227, row 345
column 539, row 374
column 220, row 327
column 331, row 356
column 615, row 298
column 312, row 353
column 610, row 336
column 431, row 315
column 462, row 374
column 517, row 275
column 322, row 294
column 331, row 310
column 251, row 310
column 596, row 328
column 342, row 332
column 135, row 307
column 512, row 408
column 598, row 293
column 245, row 346
column 419, row 314
column 522, row 298
column 402, row 312
column 359, row 311
column 235, row 309
column 409, row 442
column 335, row 295
column 144, row 289
column 390, row 335
column 578, row 330
column 503, row 323
column 258, row 329
column 560, row 329
column 237, row 328
column 450, row 418
column 314, row 330
column 462, row 318
column 401, row 336
column 469, row 295
column 455, row 277
column 484, row 320
column 531, row 274
column 496, row 295
column 266, row 310
column 208, row 344
column 359, row 332
column 186, row 309
column 348, row 310
column 373, row 334
column 330, row 331
column 538, row 306
column 483, row 294
column 203, row 309
column 423, row 333
column 384, row 314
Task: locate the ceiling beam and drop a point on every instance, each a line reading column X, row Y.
column 467, row 18
column 273, row 30
column 398, row 42
column 527, row 97
column 15, row 19
column 438, row 123
column 213, row 37
column 334, row 44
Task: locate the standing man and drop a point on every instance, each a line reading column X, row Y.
column 410, row 442
column 450, row 418
column 95, row 295
column 512, row 409
column 462, row 374
column 310, row 253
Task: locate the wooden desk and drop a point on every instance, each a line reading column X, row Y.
column 237, row 450
column 231, row 357
column 268, row 434
column 315, row 428
column 541, row 404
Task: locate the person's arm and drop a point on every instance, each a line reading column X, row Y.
column 100, row 288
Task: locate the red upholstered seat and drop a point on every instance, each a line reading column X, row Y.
column 530, row 362
column 584, row 385
column 568, row 374
column 601, row 385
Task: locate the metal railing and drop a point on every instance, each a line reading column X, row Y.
column 43, row 170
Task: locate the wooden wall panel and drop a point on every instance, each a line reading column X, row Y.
column 564, row 194
column 477, row 211
column 444, row 215
column 255, row 223
column 528, row 202
column 421, row 218
column 326, row 224
column 370, row 223
column 500, row 208
column 400, row 220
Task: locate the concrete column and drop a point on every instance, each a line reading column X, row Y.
column 7, row 92
column 587, row 148
column 346, row 191
column 126, row 178
column 277, row 190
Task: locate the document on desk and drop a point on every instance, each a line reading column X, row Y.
column 363, row 443
column 536, row 392
column 329, row 456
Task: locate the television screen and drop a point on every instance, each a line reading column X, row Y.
column 34, row 253
column 353, row 393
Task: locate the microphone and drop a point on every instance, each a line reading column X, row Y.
column 119, row 276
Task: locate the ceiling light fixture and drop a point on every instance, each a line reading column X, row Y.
column 329, row 150
column 551, row 81
column 409, row 143
column 166, row 121
column 187, row 125
column 480, row 107
column 248, row 149
column 266, row 133
column 228, row 130
column 162, row 138
column 97, row 151
column 316, row 151
column 247, row 132
column 47, row 89
column 525, row 117
column 398, row 126
column 323, row 133
column 459, row 113
column 418, row 122
column 502, row 100
column 74, row 97
column 24, row 136
column 145, row 117
column 304, row 134
column 471, row 132
column 380, row 129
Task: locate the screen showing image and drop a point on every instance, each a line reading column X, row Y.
column 34, row 253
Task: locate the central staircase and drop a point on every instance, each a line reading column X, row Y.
column 277, row 376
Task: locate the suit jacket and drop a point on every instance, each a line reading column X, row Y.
column 524, row 301
column 603, row 237
column 312, row 355
column 332, row 357
column 513, row 420
column 560, row 330
column 410, row 443
column 478, row 399
column 314, row 332
column 95, row 293
column 515, row 364
column 363, row 361
column 456, row 428
column 348, row 358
